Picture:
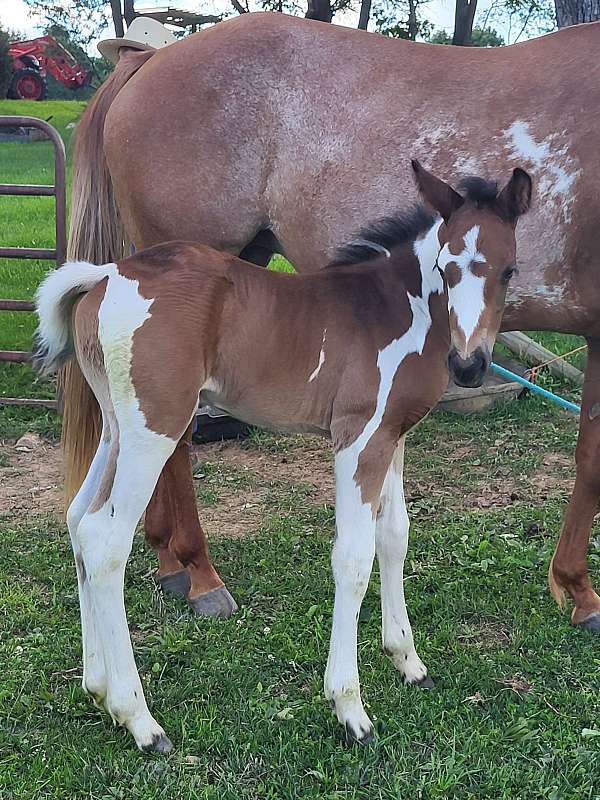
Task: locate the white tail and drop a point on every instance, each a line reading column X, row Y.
column 54, row 302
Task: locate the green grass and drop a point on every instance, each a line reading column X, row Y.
column 514, row 714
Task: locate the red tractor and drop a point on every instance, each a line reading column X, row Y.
column 36, row 58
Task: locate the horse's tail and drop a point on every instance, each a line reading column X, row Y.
column 96, row 235
column 55, row 298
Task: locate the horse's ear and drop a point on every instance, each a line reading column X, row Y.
column 438, row 194
column 515, row 198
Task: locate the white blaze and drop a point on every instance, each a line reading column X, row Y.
column 466, row 297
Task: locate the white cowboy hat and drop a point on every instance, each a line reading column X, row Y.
column 144, row 33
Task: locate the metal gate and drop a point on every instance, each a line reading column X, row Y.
column 57, row 254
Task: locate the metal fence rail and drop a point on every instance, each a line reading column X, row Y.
column 57, row 254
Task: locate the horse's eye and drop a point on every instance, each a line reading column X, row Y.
column 507, row 274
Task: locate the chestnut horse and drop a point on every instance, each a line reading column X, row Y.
column 272, row 133
column 358, row 351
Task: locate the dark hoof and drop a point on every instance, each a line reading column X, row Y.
column 159, row 744
column 425, row 683
column 591, row 623
column 216, row 603
column 353, row 738
column 177, row 583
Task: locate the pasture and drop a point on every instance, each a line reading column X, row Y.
column 515, row 710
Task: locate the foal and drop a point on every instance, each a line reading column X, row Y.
column 358, row 351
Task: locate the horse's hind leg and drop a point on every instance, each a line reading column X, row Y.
column 173, row 529
column 568, row 568
column 94, row 670
column 391, row 542
column 105, row 536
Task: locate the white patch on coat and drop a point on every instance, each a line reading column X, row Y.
column 103, row 538
column 351, row 562
column 466, row 297
column 549, row 159
column 354, row 548
column 316, row 371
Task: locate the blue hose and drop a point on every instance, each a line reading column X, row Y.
column 506, row 373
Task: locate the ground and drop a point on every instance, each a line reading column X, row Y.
column 516, row 706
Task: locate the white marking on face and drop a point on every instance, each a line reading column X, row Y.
column 554, row 179
column 316, row 371
column 466, row 297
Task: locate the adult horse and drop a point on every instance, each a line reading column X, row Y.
column 269, row 133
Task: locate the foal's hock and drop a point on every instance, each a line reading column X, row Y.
column 359, row 351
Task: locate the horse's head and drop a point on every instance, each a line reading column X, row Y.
column 478, row 259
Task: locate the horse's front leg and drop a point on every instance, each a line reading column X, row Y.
column 391, row 540
column 568, row 568
column 173, row 530
column 352, row 561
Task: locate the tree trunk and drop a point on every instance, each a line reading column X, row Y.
column 320, row 10
column 572, row 12
column 413, row 27
column 365, row 13
column 463, row 21
column 129, row 11
column 117, row 16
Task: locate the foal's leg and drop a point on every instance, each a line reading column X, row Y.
column 173, row 529
column 352, row 561
column 105, row 537
column 568, row 568
column 94, row 670
column 391, row 541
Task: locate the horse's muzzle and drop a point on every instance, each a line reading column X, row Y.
column 469, row 371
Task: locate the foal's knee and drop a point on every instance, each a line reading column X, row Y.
column 392, row 534
column 352, row 568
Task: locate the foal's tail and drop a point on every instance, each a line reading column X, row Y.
column 53, row 344
column 97, row 235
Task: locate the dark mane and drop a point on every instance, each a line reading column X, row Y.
column 479, row 191
column 384, row 235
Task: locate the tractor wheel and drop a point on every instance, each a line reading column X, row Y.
column 27, row 84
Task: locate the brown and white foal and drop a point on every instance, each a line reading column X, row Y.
column 358, row 351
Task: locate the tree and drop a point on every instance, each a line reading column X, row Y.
column 365, row 13
column 480, row 37
column 84, row 20
column 6, row 63
column 464, row 15
column 117, row 17
column 572, row 12
column 401, row 19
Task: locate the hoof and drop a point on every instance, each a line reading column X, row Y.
column 177, row 583
column 216, row 603
column 365, row 738
column 425, row 683
column 591, row 623
column 159, row 744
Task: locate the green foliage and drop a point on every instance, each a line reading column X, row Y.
column 6, row 63
column 84, row 20
column 401, row 19
column 481, row 37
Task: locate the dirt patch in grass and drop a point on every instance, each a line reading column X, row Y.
column 30, row 477
column 237, row 495
column 486, row 633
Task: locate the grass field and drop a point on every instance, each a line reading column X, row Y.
column 515, row 713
